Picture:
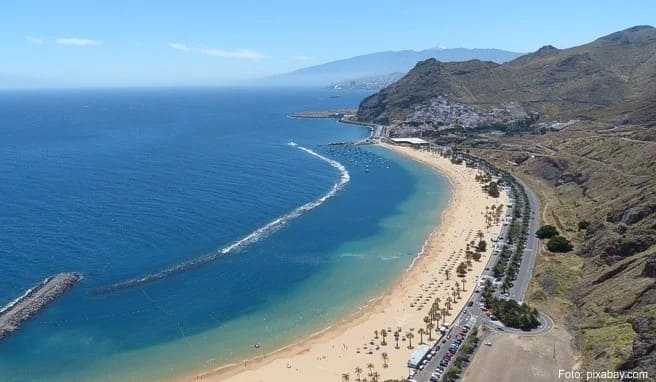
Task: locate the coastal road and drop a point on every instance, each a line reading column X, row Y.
column 472, row 314
column 525, row 273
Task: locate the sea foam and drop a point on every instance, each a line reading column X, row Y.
column 252, row 237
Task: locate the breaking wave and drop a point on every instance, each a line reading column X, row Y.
column 252, row 237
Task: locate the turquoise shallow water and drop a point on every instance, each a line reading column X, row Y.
column 121, row 184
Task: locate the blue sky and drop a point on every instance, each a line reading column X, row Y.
column 164, row 42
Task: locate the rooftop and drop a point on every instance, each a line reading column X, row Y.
column 414, row 141
column 418, row 354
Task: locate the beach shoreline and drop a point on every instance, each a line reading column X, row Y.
column 332, row 351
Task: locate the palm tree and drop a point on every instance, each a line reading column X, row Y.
column 346, row 377
column 421, row 335
column 358, row 372
column 370, row 366
column 376, row 334
column 383, row 333
column 410, row 336
column 396, row 337
column 429, row 328
column 385, row 357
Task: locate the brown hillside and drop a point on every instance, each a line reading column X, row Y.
column 612, row 78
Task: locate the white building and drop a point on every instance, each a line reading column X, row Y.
column 413, row 142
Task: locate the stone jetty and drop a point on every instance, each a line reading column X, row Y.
column 33, row 300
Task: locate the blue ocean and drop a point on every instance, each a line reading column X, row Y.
column 203, row 221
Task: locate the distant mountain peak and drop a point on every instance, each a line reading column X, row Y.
column 363, row 68
column 547, row 49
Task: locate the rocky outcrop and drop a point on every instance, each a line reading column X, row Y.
column 631, row 215
column 650, row 267
column 644, row 346
column 613, row 245
column 549, row 169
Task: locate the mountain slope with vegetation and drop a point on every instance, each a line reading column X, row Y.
column 588, row 148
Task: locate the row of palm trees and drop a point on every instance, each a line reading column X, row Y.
column 493, row 214
column 372, row 374
column 382, row 334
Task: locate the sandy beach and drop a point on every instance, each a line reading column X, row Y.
column 357, row 343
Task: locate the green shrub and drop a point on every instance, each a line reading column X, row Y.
column 546, row 232
column 559, row 244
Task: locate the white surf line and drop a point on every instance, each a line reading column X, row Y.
column 254, row 236
column 21, row 297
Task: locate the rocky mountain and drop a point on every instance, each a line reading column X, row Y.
column 612, row 78
column 381, row 63
column 577, row 125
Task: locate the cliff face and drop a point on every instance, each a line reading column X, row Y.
column 612, row 78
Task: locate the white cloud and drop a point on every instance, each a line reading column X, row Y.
column 240, row 54
column 179, row 46
column 243, row 54
column 35, row 40
column 302, row 57
column 76, row 41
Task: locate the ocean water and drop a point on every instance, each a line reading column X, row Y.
column 148, row 190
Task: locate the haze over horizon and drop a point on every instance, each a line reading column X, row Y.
column 82, row 44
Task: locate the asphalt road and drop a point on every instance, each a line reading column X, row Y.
column 520, row 285
column 472, row 315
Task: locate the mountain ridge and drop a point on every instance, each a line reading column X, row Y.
column 612, row 76
column 381, row 63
